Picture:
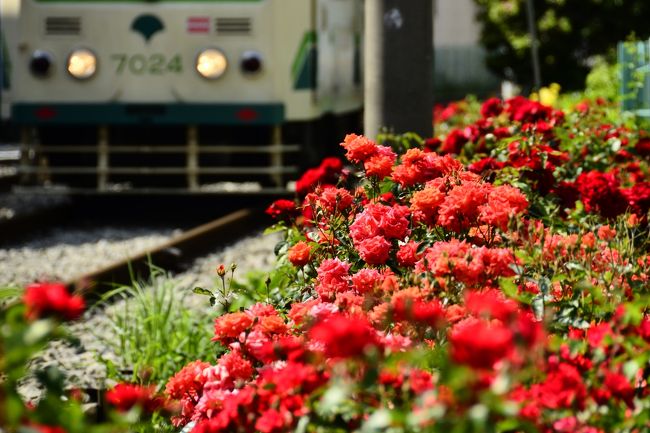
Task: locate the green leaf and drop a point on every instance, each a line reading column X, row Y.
column 510, row 425
column 544, row 285
column 9, row 292
column 202, row 291
column 538, row 306
column 274, row 228
column 378, row 421
column 607, row 276
column 279, row 247
column 52, row 378
column 334, row 397
column 523, row 256
column 302, row 425
column 633, row 314
column 38, row 330
column 509, row 287
column 574, row 266
column 630, row 369
column 386, row 186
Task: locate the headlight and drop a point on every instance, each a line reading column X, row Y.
column 82, row 63
column 211, row 63
column 251, row 62
column 41, row 63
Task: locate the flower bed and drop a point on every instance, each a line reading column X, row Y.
column 427, row 296
column 493, row 279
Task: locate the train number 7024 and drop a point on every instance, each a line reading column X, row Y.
column 153, row 64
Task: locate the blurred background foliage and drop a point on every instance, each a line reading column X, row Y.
column 574, row 35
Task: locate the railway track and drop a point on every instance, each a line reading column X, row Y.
column 21, row 216
column 23, row 213
column 176, row 255
column 188, row 257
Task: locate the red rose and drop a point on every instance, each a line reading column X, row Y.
column 491, row 304
column 52, row 299
column 283, row 209
column 480, row 344
column 432, row 144
column 229, row 326
column 620, row 387
column 521, row 109
column 408, row 254
column 270, row 421
column 638, row 197
column 374, row 250
column 188, row 381
column 563, row 388
column 299, row 254
column 327, row 173
column 503, row 203
column 309, row 180
column 485, row 164
column 428, row 313
column 454, row 141
column 600, row 193
column 642, row 146
column 332, row 166
column 344, row 337
column 381, row 163
column 420, row 381
column 644, row 328
column 333, row 199
column 358, row 147
column 491, row 107
column 332, row 277
column 442, row 113
column 238, row 367
column 568, row 194
column 125, row 396
column 366, row 280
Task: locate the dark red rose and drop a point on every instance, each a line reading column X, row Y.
column 491, row 107
column 283, row 209
column 126, row 396
column 52, row 299
column 344, row 337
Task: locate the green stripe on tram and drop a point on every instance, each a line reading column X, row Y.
column 303, row 69
column 155, row 114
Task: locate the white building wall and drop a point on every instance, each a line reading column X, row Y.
column 458, row 56
column 454, row 23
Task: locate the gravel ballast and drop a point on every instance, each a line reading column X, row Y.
column 64, row 253
column 83, row 370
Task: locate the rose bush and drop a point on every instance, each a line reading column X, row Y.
column 491, row 279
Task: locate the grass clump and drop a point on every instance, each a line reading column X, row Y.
column 154, row 332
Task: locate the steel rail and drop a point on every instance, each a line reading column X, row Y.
column 175, row 255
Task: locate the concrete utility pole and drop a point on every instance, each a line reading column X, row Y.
column 534, row 44
column 398, row 66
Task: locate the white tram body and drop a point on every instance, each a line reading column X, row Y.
column 86, row 76
column 9, row 10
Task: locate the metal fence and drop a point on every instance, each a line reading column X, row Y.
column 461, row 70
column 634, row 61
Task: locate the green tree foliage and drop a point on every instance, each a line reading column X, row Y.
column 571, row 34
